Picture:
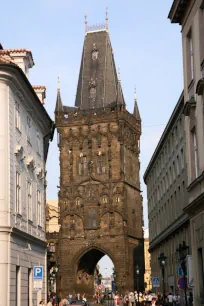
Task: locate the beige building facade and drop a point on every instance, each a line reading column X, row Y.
column 147, row 258
column 166, row 179
column 190, row 15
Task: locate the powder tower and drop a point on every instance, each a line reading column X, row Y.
column 99, row 198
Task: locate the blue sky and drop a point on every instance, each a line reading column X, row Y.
column 146, row 46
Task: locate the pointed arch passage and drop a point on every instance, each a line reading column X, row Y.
column 88, row 275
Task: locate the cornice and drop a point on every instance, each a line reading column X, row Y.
column 169, row 231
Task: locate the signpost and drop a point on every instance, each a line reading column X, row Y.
column 180, row 272
column 38, row 277
column 182, row 283
column 155, row 282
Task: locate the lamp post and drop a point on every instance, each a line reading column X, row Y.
column 137, row 278
column 162, row 261
column 183, row 252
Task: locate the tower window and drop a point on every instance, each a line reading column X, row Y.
column 92, row 92
column 82, row 165
column 94, row 55
column 101, row 163
column 29, row 198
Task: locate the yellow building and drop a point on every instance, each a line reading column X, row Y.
column 147, row 256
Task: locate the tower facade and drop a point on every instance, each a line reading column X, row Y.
column 99, row 197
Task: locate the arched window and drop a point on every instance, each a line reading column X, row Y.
column 92, row 92
column 94, row 55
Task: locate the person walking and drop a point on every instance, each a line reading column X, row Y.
column 126, row 299
column 132, row 298
column 177, row 299
column 170, row 299
column 50, row 303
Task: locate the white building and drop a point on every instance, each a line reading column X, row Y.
column 25, row 132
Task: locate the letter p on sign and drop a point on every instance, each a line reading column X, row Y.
column 38, row 272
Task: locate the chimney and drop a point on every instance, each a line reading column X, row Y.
column 40, row 92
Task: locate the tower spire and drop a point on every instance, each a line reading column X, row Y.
column 136, row 112
column 86, row 22
column 120, row 98
column 106, row 18
column 59, row 105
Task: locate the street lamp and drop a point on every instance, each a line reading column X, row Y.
column 162, row 261
column 137, row 278
column 183, row 252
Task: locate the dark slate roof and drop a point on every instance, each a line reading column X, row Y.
column 99, row 74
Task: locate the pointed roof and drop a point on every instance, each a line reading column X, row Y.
column 120, row 98
column 98, row 81
column 136, row 112
column 59, row 105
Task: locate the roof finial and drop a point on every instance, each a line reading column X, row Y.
column 106, row 18
column 85, row 22
column 119, row 74
column 58, row 81
column 135, row 96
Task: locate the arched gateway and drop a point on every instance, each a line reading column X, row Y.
column 85, row 268
column 99, row 198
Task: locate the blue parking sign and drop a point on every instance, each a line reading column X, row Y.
column 38, row 273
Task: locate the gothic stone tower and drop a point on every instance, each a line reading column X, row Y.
column 99, row 197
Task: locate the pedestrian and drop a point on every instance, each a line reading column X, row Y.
column 153, row 303
column 132, row 298
column 50, row 303
column 84, row 297
column 177, row 299
column 78, row 296
column 170, row 299
column 126, row 299
column 190, row 299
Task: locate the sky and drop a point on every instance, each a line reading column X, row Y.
column 147, row 47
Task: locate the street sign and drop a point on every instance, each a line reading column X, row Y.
column 38, row 273
column 180, row 272
column 155, row 282
column 182, row 283
column 37, row 284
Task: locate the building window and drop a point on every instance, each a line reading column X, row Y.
column 194, row 153
column 17, row 116
column 190, row 63
column 177, row 165
column 30, row 286
column 82, row 165
column 18, row 286
column 28, row 129
column 101, row 163
column 201, row 21
column 18, row 192
column 38, row 141
column 29, row 199
column 182, row 159
column 39, row 210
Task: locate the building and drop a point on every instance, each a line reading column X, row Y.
column 147, row 257
column 166, row 179
column 99, row 198
column 25, row 132
column 190, row 15
column 52, row 231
